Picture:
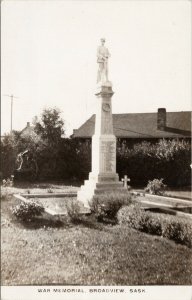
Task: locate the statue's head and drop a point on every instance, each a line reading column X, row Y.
column 102, row 41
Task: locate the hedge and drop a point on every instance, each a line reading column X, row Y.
column 146, row 161
column 72, row 160
column 172, row 227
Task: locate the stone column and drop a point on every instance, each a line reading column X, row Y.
column 104, row 141
column 103, row 178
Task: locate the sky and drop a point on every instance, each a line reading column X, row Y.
column 48, row 57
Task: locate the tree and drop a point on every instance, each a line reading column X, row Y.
column 8, row 155
column 35, row 153
column 50, row 126
column 42, row 153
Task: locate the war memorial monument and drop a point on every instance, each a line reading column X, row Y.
column 103, row 177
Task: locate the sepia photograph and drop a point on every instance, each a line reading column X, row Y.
column 96, row 150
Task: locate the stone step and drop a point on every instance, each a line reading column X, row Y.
column 101, row 186
column 116, row 190
column 103, row 179
column 109, row 185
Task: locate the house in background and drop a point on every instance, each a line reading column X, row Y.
column 28, row 130
column 134, row 128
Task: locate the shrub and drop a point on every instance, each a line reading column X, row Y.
column 73, row 211
column 50, row 190
column 178, row 230
column 171, row 227
column 139, row 219
column 153, row 224
column 9, row 182
column 8, row 155
column 156, row 187
column 4, row 194
column 107, row 205
column 130, row 215
column 27, row 192
column 6, row 183
column 147, row 160
column 26, row 211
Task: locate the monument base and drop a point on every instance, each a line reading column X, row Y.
column 99, row 184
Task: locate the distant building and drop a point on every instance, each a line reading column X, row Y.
column 136, row 127
column 28, row 130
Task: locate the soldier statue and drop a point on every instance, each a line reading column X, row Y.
column 102, row 59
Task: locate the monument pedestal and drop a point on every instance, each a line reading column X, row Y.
column 103, row 177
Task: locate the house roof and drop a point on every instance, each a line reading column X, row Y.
column 142, row 125
column 28, row 130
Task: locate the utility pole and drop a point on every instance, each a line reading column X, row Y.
column 11, row 96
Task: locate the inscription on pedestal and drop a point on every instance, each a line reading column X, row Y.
column 108, row 151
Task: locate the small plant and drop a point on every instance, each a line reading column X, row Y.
column 155, row 187
column 4, row 194
column 50, row 190
column 107, row 205
column 9, row 182
column 73, row 211
column 27, row 192
column 26, row 211
column 6, row 183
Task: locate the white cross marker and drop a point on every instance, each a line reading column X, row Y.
column 125, row 180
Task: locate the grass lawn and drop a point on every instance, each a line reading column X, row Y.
column 89, row 253
column 39, row 188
